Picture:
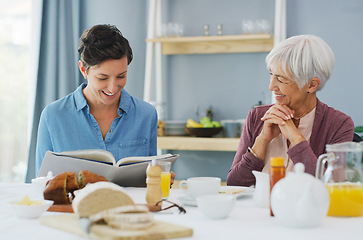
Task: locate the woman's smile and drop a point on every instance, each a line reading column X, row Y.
column 279, row 96
column 108, row 94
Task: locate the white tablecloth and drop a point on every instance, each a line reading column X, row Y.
column 245, row 222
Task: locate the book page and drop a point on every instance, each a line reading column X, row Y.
column 98, row 155
column 133, row 160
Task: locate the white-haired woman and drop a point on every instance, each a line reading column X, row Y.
column 298, row 126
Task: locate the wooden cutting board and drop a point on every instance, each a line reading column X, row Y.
column 67, row 208
column 61, row 208
column 160, row 230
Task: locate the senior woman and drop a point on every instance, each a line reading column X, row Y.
column 298, row 126
column 100, row 114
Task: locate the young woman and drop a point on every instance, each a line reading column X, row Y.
column 100, row 114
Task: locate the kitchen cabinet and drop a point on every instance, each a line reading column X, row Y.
column 197, row 143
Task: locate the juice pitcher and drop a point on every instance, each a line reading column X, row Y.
column 340, row 169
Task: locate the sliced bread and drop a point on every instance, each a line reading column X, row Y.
column 100, row 196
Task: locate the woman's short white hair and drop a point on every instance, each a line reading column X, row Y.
column 305, row 57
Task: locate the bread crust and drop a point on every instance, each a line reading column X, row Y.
column 55, row 189
column 61, row 188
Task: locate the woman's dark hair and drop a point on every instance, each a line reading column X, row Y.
column 103, row 42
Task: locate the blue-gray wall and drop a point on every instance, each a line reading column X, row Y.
column 233, row 83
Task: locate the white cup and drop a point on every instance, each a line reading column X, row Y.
column 38, row 185
column 198, row 186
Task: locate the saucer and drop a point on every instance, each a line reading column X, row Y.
column 188, row 200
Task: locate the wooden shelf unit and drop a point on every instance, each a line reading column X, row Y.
column 215, row 44
column 197, row 143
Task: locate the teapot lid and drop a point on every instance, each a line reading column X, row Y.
column 299, row 176
column 299, row 168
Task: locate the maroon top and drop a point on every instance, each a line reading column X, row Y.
column 330, row 126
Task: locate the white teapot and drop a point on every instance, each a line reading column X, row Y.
column 300, row 200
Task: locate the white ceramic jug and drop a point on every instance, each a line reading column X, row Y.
column 261, row 196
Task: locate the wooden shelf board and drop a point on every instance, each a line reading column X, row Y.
column 213, row 38
column 197, row 143
column 216, row 44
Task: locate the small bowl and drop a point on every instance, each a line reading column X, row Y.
column 203, row 132
column 175, row 128
column 38, row 184
column 31, row 211
column 216, row 206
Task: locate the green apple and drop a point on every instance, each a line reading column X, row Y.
column 208, row 125
column 216, row 124
column 204, row 120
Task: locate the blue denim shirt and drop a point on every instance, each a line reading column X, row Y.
column 67, row 125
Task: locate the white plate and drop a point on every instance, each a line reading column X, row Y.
column 188, row 200
column 237, row 191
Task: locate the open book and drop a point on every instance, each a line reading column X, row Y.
column 127, row 172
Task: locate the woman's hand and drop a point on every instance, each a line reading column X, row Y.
column 281, row 117
column 172, row 178
column 276, row 116
column 290, row 131
column 273, row 119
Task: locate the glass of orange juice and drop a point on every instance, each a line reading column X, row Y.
column 165, row 178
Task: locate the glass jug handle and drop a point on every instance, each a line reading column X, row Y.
column 321, row 164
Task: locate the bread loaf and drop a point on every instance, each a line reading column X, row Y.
column 56, row 189
column 98, row 197
column 85, row 177
column 61, row 188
